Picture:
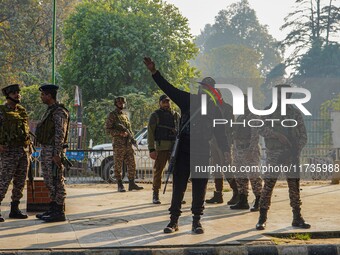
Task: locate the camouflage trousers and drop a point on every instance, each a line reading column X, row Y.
column 217, row 158
column 243, row 178
column 160, row 162
column 54, row 180
column 124, row 154
column 13, row 165
column 280, row 157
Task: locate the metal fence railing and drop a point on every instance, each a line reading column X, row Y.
column 98, row 166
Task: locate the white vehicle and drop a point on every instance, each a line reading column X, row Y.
column 101, row 160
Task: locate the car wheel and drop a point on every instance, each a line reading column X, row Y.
column 108, row 171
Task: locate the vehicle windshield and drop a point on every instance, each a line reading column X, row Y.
column 139, row 133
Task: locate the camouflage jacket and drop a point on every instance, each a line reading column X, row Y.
column 113, row 128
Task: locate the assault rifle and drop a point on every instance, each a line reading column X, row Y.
column 125, row 129
column 31, row 177
column 174, row 151
column 172, row 161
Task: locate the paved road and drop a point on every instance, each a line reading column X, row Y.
column 98, row 216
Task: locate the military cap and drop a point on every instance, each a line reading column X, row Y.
column 208, row 81
column 10, row 88
column 48, row 87
column 120, row 98
column 164, row 97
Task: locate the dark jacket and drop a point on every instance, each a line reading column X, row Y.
column 200, row 131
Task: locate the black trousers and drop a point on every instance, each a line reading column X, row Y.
column 180, row 180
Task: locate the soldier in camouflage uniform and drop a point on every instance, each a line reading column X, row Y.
column 246, row 152
column 119, row 127
column 51, row 134
column 14, row 148
column 218, row 158
column 284, row 145
column 162, row 131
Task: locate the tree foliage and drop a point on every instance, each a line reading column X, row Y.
column 108, row 39
column 238, row 25
column 314, row 23
column 313, row 27
column 25, row 39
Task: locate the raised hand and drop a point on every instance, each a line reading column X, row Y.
column 150, row 65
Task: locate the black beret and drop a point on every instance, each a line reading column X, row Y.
column 48, row 87
column 10, row 88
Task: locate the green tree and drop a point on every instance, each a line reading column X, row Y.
column 313, row 29
column 238, row 25
column 314, row 23
column 107, row 40
column 32, row 102
column 25, row 39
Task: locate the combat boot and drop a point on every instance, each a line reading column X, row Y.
column 241, row 204
column 57, row 215
column 256, row 205
column 15, row 212
column 236, row 197
column 120, row 186
column 298, row 221
column 1, row 218
column 217, row 198
column 133, row 185
column 172, row 226
column 155, row 197
column 48, row 212
column 261, row 224
column 196, row 225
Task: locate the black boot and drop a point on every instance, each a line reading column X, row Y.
column 48, row 212
column 261, row 225
column 57, row 215
column 133, row 185
column 235, row 198
column 241, row 204
column 196, row 225
column 15, row 212
column 298, row 221
column 155, row 197
column 217, row 198
column 172, row 226
column 120, row 186
column 1, row 218
column 256, row 205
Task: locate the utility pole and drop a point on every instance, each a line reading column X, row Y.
column 54, row 27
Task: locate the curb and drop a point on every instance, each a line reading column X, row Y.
column 329, row 249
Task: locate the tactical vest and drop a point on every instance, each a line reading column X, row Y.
column 166, row 126
column 45, row 130
column 14, row 129
column 289, row 132
column 240, row 133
